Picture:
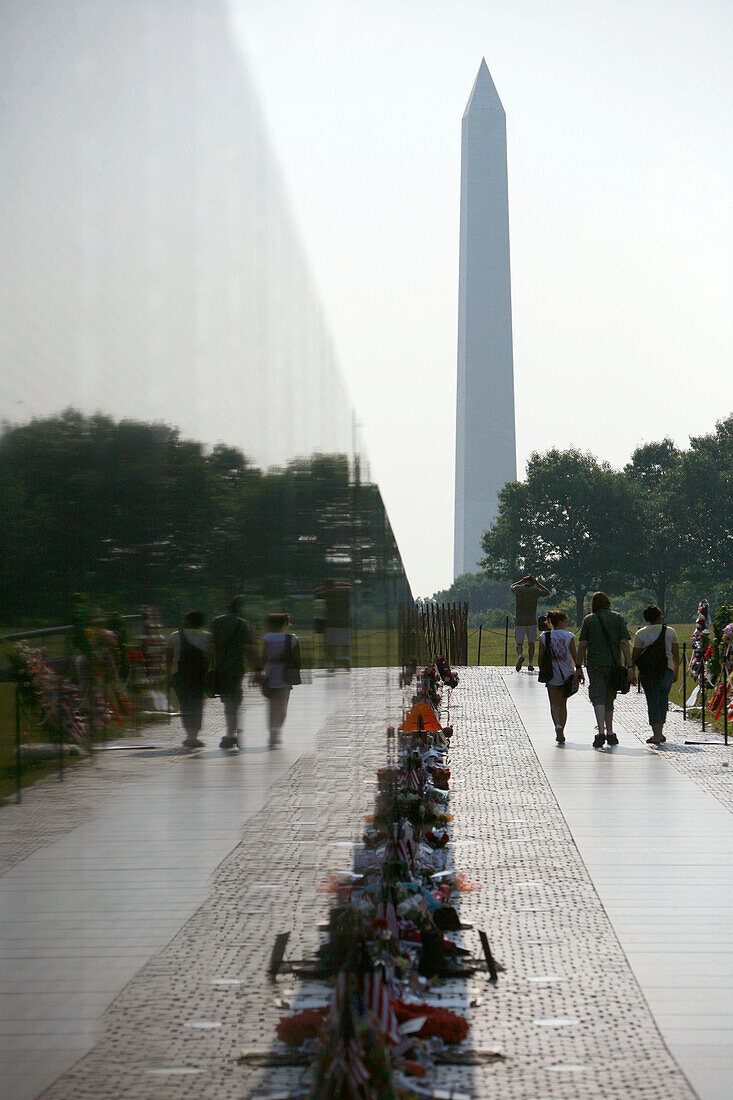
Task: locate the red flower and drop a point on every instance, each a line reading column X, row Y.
column 446, row 1025
column 294, row 1030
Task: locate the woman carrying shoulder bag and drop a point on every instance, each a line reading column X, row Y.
column 281, row 664
column 560, row 670
column 656, row 654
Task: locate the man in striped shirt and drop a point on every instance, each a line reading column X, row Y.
column 527, row 591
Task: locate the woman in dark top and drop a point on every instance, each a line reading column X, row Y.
column 657, row 687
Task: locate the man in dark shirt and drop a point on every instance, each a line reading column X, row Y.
column 603, row 642
column 337, row 632
column 233, row 648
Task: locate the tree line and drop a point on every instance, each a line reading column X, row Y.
column 130, row 513
column 661, row 525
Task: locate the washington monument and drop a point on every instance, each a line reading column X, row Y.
column 485, row 443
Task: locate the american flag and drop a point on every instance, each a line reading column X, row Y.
column 402, row 849
column 399, row 849
column 347, row 1063
column 386, row 911
column 347, row 1057
column 377, row 1001
column 413, row 779
column 358, row 1071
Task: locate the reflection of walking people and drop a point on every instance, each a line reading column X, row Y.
column 187, row 658
column 337, row 630
column 656, row 655
column 233, row 647
column 559, row 669
column 281, row 664
column 527, row 591
column 603, row 642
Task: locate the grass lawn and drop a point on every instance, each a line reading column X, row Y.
column 492, row 646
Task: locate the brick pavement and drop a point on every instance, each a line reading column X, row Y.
column 267, row 884
column 568, row 1014
column 710, row 766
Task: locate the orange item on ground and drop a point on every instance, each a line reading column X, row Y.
column 420, row 711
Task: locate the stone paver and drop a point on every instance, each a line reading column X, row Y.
column 120, row 874
column 266, row 885
column 658, row 845
column 568, row 1013
column 545, row 922
column 710, row 766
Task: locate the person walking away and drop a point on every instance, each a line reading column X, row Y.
column 233, row 649
column 337, row 630
column 603, row 644
column 558, row 660
column 319, row 623
column 281, row 664
column 656, row 654
column 188, row 655
column 527, row 591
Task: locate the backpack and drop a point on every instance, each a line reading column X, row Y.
column 191, row 663
column 291, row 668
column 546, row 671
column 652, row 661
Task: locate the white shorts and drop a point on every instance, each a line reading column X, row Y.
column 522, row 632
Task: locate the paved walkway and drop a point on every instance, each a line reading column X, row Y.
column 143, row 953
column 657, row 840
column 134, row 838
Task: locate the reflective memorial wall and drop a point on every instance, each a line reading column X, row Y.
column 152, row 281
column 149, row 266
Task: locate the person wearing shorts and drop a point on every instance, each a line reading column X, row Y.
column 527, row 592
column 602, row 643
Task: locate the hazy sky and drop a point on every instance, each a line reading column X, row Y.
column 620, row 150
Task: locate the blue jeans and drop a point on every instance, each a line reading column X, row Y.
column 657, row 696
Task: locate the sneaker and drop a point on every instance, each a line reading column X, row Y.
column 195, row 744
column 611, row 739
column 228, row 743
column 520, row 662
column 560, row 737
column 530, row 668
column 599, row 741
column 654, row 740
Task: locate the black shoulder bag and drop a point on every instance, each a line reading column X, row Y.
column 652, row 661
column 291, row 668
column 619, row 678
column 545, row 673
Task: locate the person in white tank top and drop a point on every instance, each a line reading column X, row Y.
column 558, row 645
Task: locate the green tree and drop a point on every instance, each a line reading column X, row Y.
column 702, row 488
column 661, row 548
column 572, row 522
column 477, row 590
column 131, row 513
